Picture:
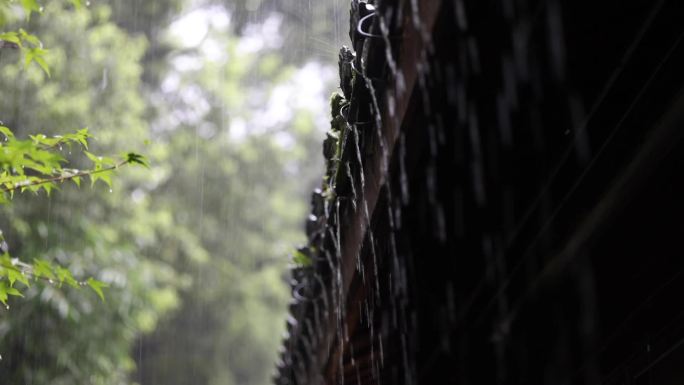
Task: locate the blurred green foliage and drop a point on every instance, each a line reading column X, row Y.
column 54, row 335
column 194, row 249
column 36, row 164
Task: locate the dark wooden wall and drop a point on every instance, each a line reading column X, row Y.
column 522, row 163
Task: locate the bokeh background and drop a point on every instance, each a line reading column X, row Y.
column 229, row 101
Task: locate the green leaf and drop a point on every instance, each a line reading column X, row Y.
column 82, row 137
column 97, row 287
column 133, row 158
column 14, row 291
column 14, row 275
column 33, row 39
column 37, row 54
column 30, row 6
column 6, row 291
column 7, row 132
column 301, row 259
column 48, row 186
column 43, row 64
column 94, row 158
column 11, row 37
column 3, row 293
column 65, row 276
column 103, row 175
column 43, row 268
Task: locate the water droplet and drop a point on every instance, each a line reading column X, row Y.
column 110, row 191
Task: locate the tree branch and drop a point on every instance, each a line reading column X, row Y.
column 60, row 178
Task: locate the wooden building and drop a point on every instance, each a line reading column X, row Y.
column 504, row 202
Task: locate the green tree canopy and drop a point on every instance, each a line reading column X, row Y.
column 193, row 250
